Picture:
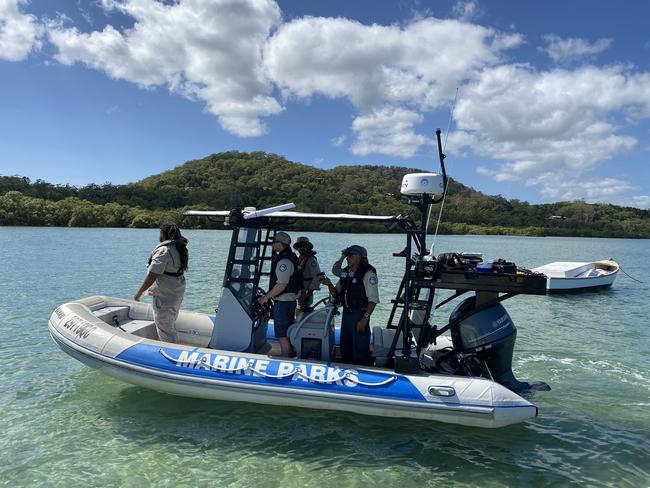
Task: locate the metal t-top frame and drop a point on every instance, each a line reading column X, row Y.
column 409, row 294
column 247, row 258
column 252, row 237
column 253, row 232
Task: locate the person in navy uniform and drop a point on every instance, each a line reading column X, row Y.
column 165, row 280
column 311, row 275
column 284, row 284
column 357, row 290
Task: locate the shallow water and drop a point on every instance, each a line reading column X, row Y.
column 63, row 424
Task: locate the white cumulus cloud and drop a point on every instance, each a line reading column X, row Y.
column 550, row 129
column 338, row 141
column 547, row 129
column 465, row 10
column 387, row 131
column 420, row 64
column 384, row 71
column 19, row 32
column 206, row 50
column 573, row 48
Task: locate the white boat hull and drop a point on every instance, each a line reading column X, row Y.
column 198, row 372
column 604, row 274
column 560, row 284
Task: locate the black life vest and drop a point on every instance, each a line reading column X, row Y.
column 295, row 282
column 178, row 273
column 352, row 290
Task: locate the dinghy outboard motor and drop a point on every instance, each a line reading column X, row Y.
column 490, row 336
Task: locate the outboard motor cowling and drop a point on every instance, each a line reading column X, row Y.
column 490, row 334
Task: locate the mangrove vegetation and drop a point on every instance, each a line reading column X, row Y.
column 235, row 179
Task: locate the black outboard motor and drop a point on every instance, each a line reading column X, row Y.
column 490, row 335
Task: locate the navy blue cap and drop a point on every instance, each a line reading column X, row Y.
column 355, row 249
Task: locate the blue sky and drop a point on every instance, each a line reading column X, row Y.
column 553, row 97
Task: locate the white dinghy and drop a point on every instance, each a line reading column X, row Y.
column 574, row 276
column 459, row 373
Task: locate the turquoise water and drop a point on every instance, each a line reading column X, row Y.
column 62, row 424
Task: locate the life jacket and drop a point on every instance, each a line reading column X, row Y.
column 178, row 273
column 295, row 282
column 352, row 289
column 303, row 260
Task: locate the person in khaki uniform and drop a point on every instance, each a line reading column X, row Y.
column 165, row 280
column 311, row 275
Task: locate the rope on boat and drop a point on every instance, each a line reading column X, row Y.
column 175, row 360
column 318, row 380
column 194, row 362
column 228, row 370
column 444, row 193
column 631, row 277
column 273, row 376
column 249, row 366
column 365, row 383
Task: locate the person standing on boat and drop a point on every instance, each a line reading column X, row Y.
column 165, row 280
column 311, row 274
column 284, row 284
column 358, row 291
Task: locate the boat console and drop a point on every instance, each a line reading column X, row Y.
column 482, row 333
column 313, row 336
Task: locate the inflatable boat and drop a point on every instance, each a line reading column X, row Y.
column 458, row 373
column 119, row 338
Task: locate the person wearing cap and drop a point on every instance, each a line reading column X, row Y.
column 284, row 284
column 358, row 291
column 311, row 274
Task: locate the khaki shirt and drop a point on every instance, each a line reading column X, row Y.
column 283, row 272
column 168, row 288
column 310, row 275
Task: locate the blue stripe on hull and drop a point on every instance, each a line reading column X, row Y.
column 149, row 356
column 354, row 396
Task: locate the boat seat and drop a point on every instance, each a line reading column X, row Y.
column 141, row 328
column 112, row 314
column 382, row 338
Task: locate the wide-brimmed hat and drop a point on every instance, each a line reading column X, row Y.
column 283, row 238
column 303, row 241
column 355, row 249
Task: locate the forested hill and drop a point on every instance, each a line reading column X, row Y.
column 232, row 179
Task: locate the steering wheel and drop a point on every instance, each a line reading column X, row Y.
column 262, row 310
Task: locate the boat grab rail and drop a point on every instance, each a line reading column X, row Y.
column 249, row 367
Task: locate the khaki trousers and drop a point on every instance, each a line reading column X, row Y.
column 165, row 316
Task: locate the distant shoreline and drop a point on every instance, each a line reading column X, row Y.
column 324, row 231
column 236, row 180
